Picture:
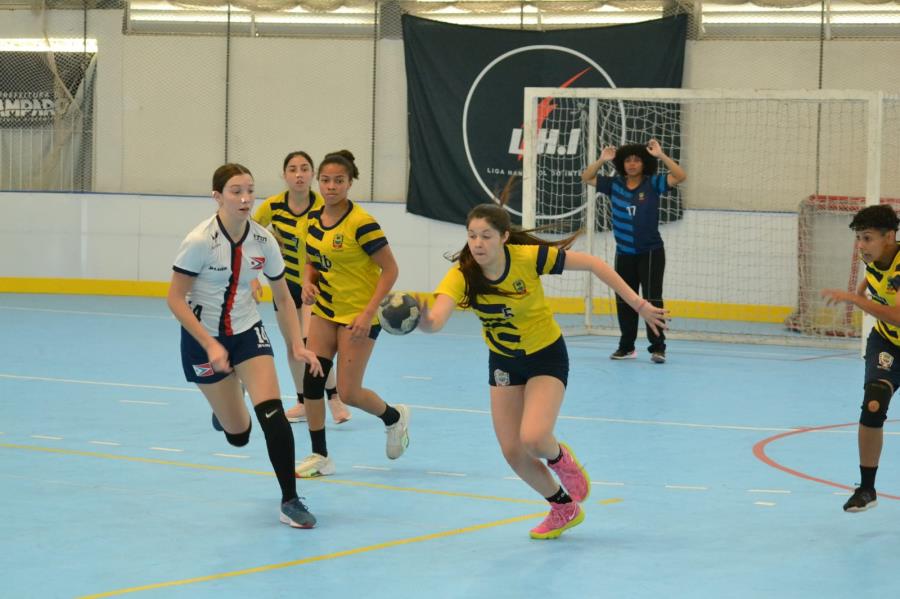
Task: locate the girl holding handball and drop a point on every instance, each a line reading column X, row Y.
column 497, row 275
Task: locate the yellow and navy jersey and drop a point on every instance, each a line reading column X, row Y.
column 521, row 323
column 290, row 228
column 342, row 254
column 883, row 286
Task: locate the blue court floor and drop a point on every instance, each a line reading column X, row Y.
column 719, row 474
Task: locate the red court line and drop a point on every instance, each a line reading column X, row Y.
column 759, row 450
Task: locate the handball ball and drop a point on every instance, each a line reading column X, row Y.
column 398, row 313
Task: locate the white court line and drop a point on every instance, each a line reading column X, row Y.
column 416, row 378
column 843, row 493
column 696, row 425
column 605, row 483
column 439, row 473
column 149, row 403
column 100, row 383
column 232, row 455
column 86, row 312
column 687, row 488
column 105, row 443
column 372, row 468
column 48, row 437
column 781, row 491
column 511, row 478
column 765, row 503
column 167, row 449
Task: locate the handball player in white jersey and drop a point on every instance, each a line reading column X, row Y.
column 223, row 341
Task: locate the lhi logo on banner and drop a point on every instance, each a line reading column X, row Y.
column 491, row 135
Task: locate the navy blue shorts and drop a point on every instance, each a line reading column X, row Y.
column 553, row 361
column 296, row 294
column 882, row 360
column 241, row 347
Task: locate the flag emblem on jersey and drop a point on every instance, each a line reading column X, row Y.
column 257, row 262
column 519, row 286
column 338, row 241
column 641, row 197
column 204, row 369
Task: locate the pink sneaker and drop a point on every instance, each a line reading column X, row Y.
column 297, row 413
column 572, row 475
column 339, row 411
column 561, row 518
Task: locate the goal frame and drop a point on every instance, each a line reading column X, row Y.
column 532, row 97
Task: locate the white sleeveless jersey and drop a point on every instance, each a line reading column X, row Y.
column 223, row 268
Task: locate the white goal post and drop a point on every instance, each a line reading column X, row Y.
column 738, row 262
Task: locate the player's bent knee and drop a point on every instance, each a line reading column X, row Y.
column 240, row 439
column 314, row 386
column 876, row 398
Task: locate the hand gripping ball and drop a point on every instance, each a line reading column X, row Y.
column 398, row 313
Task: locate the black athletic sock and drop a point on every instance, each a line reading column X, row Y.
column 318, row 442
column 331, row 392
column 280, row 443
column 299, row 398
column 390, row 416
column 559, row 497
column 867, row 477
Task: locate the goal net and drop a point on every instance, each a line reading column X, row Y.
column 743, row 259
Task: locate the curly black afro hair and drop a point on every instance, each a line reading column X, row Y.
column 881, row 217
column 639, row 150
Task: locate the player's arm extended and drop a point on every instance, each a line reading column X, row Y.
column 655, row 317
column 435, row 314
column 888, row 314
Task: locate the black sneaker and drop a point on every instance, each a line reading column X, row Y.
column 216, row 424
column 861, row 500
column 621, row 354
column 658, row 357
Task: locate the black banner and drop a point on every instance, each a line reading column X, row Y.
column 465, row 99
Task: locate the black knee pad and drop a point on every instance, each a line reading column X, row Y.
column 314, row 386
column 240, row 439
column 876, row 399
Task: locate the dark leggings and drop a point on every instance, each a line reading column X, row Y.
column 644, row 274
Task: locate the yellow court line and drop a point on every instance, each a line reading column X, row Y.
column 317, row 558
column 610, row 501
column 349, row 483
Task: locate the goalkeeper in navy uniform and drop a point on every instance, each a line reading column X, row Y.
column 498, row 275
column 640, row 256
column 223, row 341
column 876, row 240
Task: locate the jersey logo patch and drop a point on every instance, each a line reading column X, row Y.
column 257, row 262
column 885, row 360
column 501, row 378
column 203, row 369
column 519, row 287
column 338, row 242
column 641, row 197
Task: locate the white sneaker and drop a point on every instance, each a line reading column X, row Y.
column 398, row 434
column 315, row 465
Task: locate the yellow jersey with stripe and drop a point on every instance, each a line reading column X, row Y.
column 883, row 286
column 521, row 323
column 341, row 254
column 291, row 227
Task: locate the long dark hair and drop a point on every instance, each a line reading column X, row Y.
column 498, row 218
